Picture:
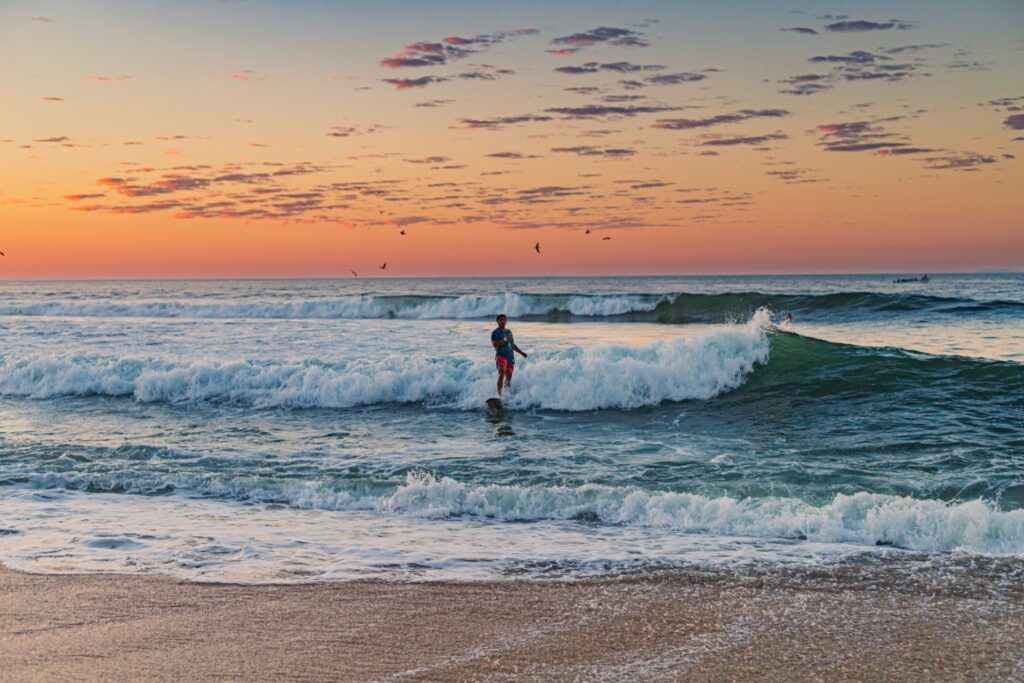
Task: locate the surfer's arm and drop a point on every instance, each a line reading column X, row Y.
column 519, row 350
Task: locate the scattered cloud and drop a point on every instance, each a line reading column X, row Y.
column 600, row 110
column 431, row 104
column 52, row 99
column 1014, row 121
column 421, row 82
column 806, row 84
column 959, row 161
column 802, row 30
column 42, row 20
column 587, row 151
column 859, row 26
column 511, row 155
column 744, row 140
column 736, row 117
column 428, row 53
column 620, row 37
column 428, row 160
column 105, row 79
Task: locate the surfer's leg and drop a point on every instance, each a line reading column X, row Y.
column 501, row 373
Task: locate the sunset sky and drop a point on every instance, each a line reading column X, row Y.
column 251, row 138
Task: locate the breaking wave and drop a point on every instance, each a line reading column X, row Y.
column 698, row 366
column 861, row 518
column 663, row 308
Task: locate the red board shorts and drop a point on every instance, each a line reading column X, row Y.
column 503, row 364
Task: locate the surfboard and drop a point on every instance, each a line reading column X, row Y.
column 495, row 406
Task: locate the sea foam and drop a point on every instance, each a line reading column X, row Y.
column 862, row 518
column 698, row 366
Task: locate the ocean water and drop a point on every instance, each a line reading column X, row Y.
column 334, row 429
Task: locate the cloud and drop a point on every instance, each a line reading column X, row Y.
column 745, row 140
column 587, row 151
column 42, row 20
column 79, row 197
column 58, row 140
column 501, row 121
column 855, row 57
column 105, row 79
column 52, row 99
column 511, row 155
column 563, row 52
column 742, row 115
column 1014, row 121
column 601, row 110
column 859, row 26
column 621, row 37
column 351, row 131
column 912, row 48
column 247, row 75
column 675, row 79
column 427, row 160
column 403, row 62
column 422, row 81
column 959, row 161
column 802, row 30
column 860, row 65
column 428, row 53
column 806, row 84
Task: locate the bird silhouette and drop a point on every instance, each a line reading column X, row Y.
column 587, row 232
column 2, row 254
column 384, row 267
column 605, row 239
column 537, row 247
column 353, row 272
column 401, row 232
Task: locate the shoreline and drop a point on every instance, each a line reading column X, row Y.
column 668, row 625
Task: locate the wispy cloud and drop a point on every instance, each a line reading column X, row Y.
column 736, row 117
column 860, row 26
column 620, row 37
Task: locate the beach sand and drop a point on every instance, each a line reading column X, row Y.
column 680, row 625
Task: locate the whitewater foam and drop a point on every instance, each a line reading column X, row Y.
column 464, row 307
column 698, row 366
column 862, row 518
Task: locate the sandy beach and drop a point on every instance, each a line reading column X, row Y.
column 695, row 626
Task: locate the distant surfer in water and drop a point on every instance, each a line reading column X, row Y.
column 505, row 350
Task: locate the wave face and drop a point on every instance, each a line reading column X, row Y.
column 754, row 358
column 861, row 518
column 599, row 376
column 671, row 308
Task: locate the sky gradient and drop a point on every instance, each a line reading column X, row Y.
column 247, row 138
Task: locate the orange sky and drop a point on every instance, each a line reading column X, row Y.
column 291, row 140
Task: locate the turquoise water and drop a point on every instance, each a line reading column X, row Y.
column 310, row 430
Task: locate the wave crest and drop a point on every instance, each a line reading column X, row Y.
column 698, row 366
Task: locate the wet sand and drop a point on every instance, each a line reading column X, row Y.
column 693, row 626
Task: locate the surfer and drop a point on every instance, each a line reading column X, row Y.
column 505, row 350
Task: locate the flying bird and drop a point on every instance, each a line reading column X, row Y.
column 353, row 272
column 587, row 232
column 384, row 267
column 605, row 239
column 537, row 247
column 401, row 232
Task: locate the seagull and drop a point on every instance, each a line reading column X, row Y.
column 401, row 232
column 605, row 239
column 537, row 247
column 2, row 254
column 354, row 273
column 384, row 266
column 587, row 232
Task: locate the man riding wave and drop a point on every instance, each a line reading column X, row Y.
column 505, row 350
